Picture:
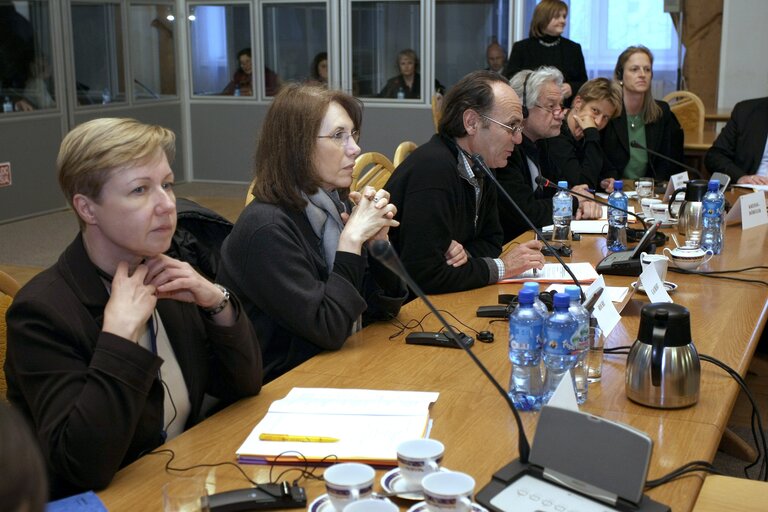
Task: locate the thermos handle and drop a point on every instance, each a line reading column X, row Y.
column 657, row 346
column 672, row 200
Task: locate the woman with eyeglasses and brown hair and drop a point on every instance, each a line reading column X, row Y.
column 644, row 120
column 297, row 255
column 546, row 46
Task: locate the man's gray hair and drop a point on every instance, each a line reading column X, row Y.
column 536, row 80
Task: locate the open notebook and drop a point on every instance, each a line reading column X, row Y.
column 368, row 425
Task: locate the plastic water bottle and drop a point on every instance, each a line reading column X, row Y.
column 525, row 354
column 558, row 351
column 580, row 341
column 562, row 211
column 617, row 220
column 538, row 305
column 713, row 206
column 106, row 96
column 237, row 90
column 7, row 105
column 401, row 93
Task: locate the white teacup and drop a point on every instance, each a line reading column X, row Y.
column 646, row 204
column 418, row 458
column 348, row 482
column 659, row 212
column 644, row 187
column 688, row 258
column 658, row 261
column 372, row 505
column 448, row 492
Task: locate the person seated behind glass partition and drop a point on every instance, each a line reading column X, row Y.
column 241, row 83
column 319, row 70
column 406, row 85
column 576, row 151
column 297, row 255
column 496, row 57
column 39, row 86
column 643, row 120
column 112, row 349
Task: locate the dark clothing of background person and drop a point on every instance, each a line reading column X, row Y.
column 739, row 148
column 557, row 51
column 579, row 162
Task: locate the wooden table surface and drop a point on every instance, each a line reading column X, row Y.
column 728, row 494
column 469, row 416
column 700, row 144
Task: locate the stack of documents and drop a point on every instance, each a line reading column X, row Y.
column 555, row 273
column 338, row 425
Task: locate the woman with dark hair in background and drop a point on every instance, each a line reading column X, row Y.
column 319, row 71
column 546, row 46
column 297, row 255
column 242, row 80
column 643, row 120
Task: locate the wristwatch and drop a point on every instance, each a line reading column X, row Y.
column 221, row 305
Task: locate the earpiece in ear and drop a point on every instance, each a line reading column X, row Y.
column 525, row 95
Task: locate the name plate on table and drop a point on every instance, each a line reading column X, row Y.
column 749, row 210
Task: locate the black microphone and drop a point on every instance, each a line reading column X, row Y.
column 687, row 167
column 478, row 160
column 541, row 180
column 385, row 253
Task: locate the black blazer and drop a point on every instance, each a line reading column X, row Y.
column 93, row 398
column 739, row 148
column 664, row 136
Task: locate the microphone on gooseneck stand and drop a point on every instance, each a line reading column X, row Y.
column 383, row 251
column 541, row 180
column 687, row 167
column 478, row 160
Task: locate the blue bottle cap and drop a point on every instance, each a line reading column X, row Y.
column 562, row 300
column 618, row 185
column 531, row 285
column 573, row 291
column 562, row 184
column 525, row 296
column 714, row 186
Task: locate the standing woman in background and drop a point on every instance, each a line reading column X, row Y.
column 546, row 46
column 644, row 120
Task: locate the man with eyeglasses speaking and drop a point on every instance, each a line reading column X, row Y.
column 449, row 236
column 543, row 114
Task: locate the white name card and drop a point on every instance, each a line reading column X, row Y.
column 654, row 287
column 675, row 182
column 749, row 210
column 606, row 314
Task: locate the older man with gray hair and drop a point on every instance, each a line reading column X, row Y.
column 543, row 115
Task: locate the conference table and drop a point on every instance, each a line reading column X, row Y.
column 470, row 418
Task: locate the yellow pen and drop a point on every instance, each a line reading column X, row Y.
column 297, row 439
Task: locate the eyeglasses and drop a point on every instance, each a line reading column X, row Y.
column 342, row 138
column 553, row 110
column 514, row 130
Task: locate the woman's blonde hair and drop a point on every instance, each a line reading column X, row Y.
column 599, row 89
column 543, row 14
column 93, row 151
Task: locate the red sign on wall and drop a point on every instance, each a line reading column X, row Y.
column 5, row 174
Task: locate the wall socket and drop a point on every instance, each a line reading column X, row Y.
column 5, row 174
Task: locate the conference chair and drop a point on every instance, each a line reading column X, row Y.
column 437, row 109
column 8, row 289
column 689, row 111
column 372, row 169
column 403, row 150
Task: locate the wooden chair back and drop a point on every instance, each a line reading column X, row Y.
column 373, row 169
column 689, row 111
column 403, row 150
column 8, row 289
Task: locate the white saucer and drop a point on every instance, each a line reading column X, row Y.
column 422, row 507
column 321, row 504
column 669, row 286
column 393, row 481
